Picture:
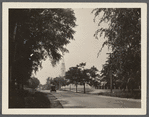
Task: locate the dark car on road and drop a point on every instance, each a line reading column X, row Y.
column 53, row 88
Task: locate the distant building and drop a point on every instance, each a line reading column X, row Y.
column 63, row 70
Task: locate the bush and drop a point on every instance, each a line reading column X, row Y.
column 33, row 82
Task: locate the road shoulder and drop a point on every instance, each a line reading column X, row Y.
column 54, row 102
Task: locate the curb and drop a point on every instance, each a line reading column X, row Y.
column 54, row 102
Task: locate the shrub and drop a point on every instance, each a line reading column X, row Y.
column 33, row 82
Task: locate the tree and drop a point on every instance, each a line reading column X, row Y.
column 84, row 77
column 35, row 35
column 93, row 76
column 33, row 82
column 73, row 75
column 123, row 36
column 79, row 75
column 48, row 82
column 59, row 81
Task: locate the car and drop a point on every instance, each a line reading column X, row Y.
column 53, row 88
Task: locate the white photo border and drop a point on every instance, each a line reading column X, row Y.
column 75, row 111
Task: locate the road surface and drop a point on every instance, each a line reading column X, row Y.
column 77, row 100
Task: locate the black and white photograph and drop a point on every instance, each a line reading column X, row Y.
column 74, row 58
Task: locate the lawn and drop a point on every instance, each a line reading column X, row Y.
column 136, row 94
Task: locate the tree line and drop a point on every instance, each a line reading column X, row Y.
column 35, row 35
column 77, row 75
column 81, row 75
column 123, row 38
column 38, row 34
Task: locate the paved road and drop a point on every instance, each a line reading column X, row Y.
column 77, row 100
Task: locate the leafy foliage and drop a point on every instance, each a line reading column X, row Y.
column 57, row 81
column 123, row 36
column 35, row 35
column 33, row 82
column 94, row 77
column 73, row 74
column 80, row 75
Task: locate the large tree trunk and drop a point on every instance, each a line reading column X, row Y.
column 12, row 64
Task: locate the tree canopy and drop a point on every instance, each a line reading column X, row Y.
column 33, row 82
column 34, row 35
column 123, row 37
column 81, row 75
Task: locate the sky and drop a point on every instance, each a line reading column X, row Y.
column 83, row 49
